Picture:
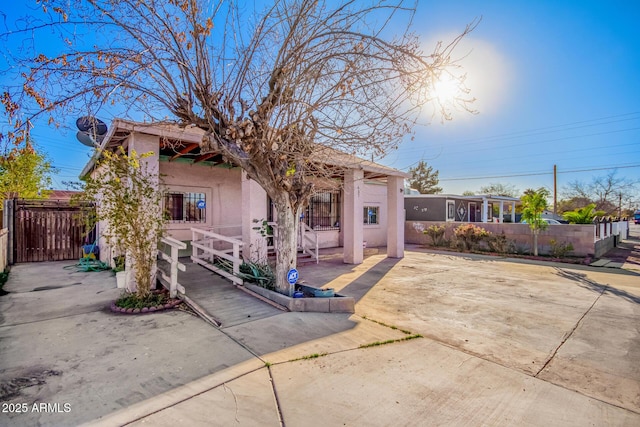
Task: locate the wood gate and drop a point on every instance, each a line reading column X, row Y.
column 47, row 230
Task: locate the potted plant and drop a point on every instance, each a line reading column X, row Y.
column 119, row 269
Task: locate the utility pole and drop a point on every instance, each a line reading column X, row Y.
column 620, row 205
column 555, row 190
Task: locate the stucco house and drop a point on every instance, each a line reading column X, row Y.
column 454, row 208
column 202, row 191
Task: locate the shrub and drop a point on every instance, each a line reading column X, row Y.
column 560, row 250
column 471, row 235
column 259, row 273
column 133, row 300
column 583, row 215
column 4, row 276
column 436, row 233
column 500, row 244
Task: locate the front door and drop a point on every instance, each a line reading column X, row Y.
column 472, row 212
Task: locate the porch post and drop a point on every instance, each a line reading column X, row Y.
column 513, row 212
column 353, row 217
column 501, row 215
column 254, row 212
column 395, row 220
column 485, row 210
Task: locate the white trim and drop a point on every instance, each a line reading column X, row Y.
column 446, row 210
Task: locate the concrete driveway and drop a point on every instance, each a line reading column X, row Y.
column 504, row 342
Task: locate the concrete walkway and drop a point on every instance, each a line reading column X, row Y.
column 502, row 343
column 626, row 255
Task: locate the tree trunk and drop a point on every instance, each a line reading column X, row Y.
column 286, row 244
column 535, row 243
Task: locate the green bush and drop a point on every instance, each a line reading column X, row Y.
column 560, row 250
column 500, row 244
column 436, row 233
column 133, row 300
column 260, row 274
column 4, row 276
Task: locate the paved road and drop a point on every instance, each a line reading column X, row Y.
column 504, row 343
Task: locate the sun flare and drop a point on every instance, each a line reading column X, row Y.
column 446, row 89
column 480, row 80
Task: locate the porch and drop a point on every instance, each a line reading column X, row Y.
column 219, row 300
column 208, row 280
column 225, row 304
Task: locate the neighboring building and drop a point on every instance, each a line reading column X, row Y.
column 454, row 208
column 203, row 191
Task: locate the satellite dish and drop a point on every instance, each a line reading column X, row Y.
column 91, row 124
column 85, row 138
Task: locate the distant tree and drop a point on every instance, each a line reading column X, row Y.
column 424, row 179
column 583, row 215
column 24, row 172
column 534, row 202
column 498, row 189
column 275, row 86
column 469, row 193
column 573, row 203
column 609, row 192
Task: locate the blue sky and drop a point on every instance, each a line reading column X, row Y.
column 557, row 82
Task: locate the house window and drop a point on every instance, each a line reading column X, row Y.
column 371, row 215
column 185, row 207
column 451, row 210
column 323, row 212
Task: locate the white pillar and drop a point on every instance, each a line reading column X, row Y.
column 513, row 212
column 395, row 213
column 254, row 212
column 353, row 216
column 501, row 214
column 148, row 145
column 485, row 210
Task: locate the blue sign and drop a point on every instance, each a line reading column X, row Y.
column 200, row 204
column 292, row 276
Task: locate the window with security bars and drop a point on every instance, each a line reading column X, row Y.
column 323, row 212
column 371, row 215
column 185, row 207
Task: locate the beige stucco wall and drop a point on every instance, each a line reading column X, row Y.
column 221, row 186
column 375, row 194
column 582, row 237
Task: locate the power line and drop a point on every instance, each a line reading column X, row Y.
column 539, row 173
column 558, row 128
column 530, row 133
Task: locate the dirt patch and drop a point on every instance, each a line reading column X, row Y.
column 13, row 387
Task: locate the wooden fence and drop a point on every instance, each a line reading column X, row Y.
column 48, row 231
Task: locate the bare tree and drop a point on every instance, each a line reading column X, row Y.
column 610, row 193
column 274, row 90
column 499, row 189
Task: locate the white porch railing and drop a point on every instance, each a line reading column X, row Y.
column 207, row 246
column 309, row 241
column 174, row 265
column 234, row 231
